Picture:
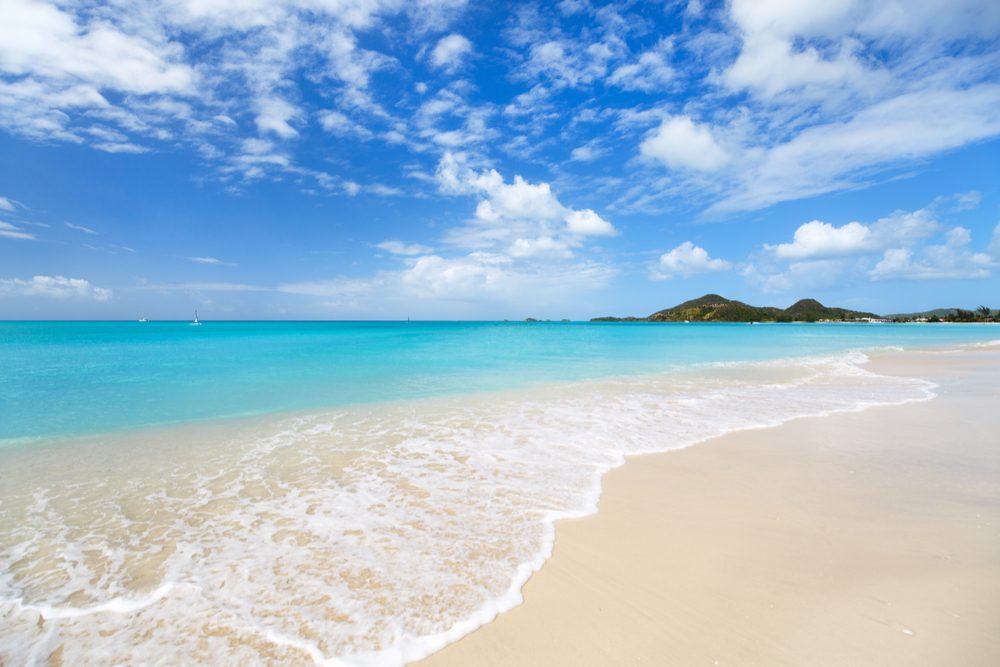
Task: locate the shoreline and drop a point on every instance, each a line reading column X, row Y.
column 715, row 554
column 587, row 438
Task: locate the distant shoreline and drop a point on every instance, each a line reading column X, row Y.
column 715, row 308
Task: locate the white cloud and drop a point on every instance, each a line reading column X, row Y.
column 995, row 243
column 951, row 259
column 540, row 246
column 461, row 286
column 587, row 223
column 382, row 190
column 686, row 259
column 274, row 114
column 54, row 63
column 586, row 153
column 400, row 248
column 80, row 228
column 120, row 147
column 40, row 40
column 211, row 261
column 10, row 231
column 652, row 70
column 567, row 62
column 771, row 63
column 192, row 71
column 483, row 277
column 898, row 246
column 6, row 204
column 831, row 49
column 449, row 120
column 967, row 201
column 842, row 154
column 681, row 144
column 450, row 52
column 819, row 239
column 340, row 124
column 53, row 286
column 805, row 275
column 520, row 215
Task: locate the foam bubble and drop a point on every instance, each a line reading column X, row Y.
column 374, row 535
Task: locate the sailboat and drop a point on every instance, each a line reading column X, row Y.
column 195, row 322
column 143, row 320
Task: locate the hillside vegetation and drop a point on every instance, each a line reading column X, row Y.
column 715, row 308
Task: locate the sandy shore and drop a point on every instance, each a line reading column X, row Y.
column 870, row 538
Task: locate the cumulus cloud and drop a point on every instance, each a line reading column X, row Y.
column 686, row 259
column 587, row 223
column 53, row 286
column 521, row 249
column 818, row 239
column 681, row 144
column 521, row 216
column 772, row 62
column 898, row 246
column 450, row 52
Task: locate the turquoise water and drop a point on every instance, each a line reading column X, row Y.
column 68, row 378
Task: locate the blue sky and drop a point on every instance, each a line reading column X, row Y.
column 452, row 159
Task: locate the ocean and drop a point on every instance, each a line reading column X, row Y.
column 353, row 492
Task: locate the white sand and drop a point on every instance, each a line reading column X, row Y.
column 857, row 539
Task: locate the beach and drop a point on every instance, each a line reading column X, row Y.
column 870, row 537
column 764, row 495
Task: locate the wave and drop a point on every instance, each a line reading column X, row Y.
column 371, row 535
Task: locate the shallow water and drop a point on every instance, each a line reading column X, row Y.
column 362, row 533
column 73, row 378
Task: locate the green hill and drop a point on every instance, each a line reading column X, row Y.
column 716, row 308
column 811, row 310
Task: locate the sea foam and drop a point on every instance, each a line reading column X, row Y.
column 372, row 535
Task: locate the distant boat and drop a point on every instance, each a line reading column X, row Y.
column 195, row 322
column 143, row 320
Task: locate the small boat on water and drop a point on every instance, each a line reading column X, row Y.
column 195, row 322
column 142, row 320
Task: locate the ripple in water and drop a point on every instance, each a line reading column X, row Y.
column 373, row 535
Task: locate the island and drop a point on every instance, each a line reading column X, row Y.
column 715, row 308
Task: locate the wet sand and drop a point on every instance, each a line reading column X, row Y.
column 868, row 538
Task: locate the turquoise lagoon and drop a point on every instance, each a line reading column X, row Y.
column 353, row 493
column 69, row 378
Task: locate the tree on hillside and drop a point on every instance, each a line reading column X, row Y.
column 984, row 312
